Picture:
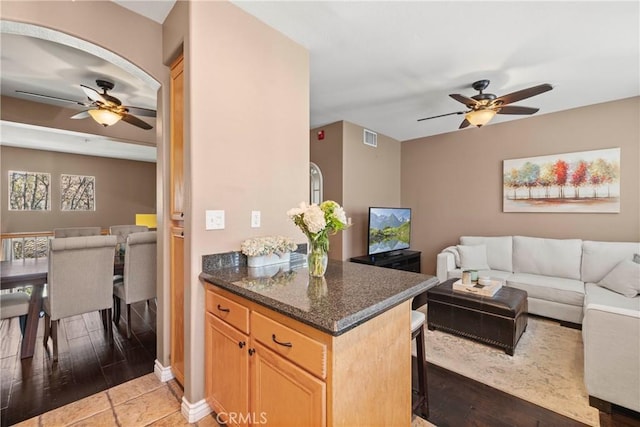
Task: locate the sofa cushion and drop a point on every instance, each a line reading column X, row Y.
column 601, row 297
column 499, row 250
column 560, row 290
column 599, row 258
column 623, row 279
column 473, row 257
column 547, row 257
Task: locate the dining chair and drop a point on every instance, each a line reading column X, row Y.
column 15, row 304
column 122, row 231
column 79, row 281
column 138, row 282
column 76, row 231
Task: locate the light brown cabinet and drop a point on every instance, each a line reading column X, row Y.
column 265, row 368
column 176, row 230
column 251, row 374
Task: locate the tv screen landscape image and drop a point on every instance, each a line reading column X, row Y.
column 389, row 230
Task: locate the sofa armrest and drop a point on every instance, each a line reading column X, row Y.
column 611, row 354
column 445, row 263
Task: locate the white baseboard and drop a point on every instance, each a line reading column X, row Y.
column 194, row 412
column 163, row 373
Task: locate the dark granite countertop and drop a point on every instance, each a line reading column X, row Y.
column 348, row 295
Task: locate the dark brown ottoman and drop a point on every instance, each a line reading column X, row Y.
column 499, row 320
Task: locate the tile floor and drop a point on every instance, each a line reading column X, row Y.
column 144, row 401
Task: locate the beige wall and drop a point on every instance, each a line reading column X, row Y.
column 357, row 176
column 453, row 181
column 246, row 137
column 137, row 39
column 371, row 178
column 123, row 188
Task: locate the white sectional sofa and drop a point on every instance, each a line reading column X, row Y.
column 592, row 283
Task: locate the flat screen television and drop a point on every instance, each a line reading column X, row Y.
column 389, row 230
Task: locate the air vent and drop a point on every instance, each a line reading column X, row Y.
column 370, row 138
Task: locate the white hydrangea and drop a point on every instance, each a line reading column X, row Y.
column 314, row 219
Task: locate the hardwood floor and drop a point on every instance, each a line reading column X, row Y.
column 455, row 400
column 87, row 362
column 88, row 365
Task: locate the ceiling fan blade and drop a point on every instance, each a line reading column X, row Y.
column 469, row 102
column 441, row 115
column 133, row 120
column 81, row 115
column 52, row 97
column 93, row 94
column 464, row 124
column 514, row 109
column 523, row 94
column 139, row 111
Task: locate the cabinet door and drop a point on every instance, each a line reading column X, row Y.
column 177, row 302
column 176, row 179
column 227, row 371
column 283, row 394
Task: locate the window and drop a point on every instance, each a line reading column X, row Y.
column 315, row 192
column 29, row 191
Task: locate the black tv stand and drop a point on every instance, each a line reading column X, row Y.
column 399, row 260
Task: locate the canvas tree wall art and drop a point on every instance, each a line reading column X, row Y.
column 586, row 181
column 78, row 192
column 29, row 191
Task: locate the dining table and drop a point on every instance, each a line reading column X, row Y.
column 33, row 272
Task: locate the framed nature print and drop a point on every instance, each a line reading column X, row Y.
column 77, row 192
column 586, row 181
column 29, row 191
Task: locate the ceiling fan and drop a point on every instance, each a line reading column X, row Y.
column 104, row 108
column 484, row 106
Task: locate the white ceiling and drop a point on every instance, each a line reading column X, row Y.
column 385, row 64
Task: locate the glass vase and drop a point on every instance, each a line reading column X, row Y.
column 317, row 259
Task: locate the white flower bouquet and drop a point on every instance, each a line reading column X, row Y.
column 317, row 222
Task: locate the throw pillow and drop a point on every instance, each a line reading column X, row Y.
column 473, row 257
column 623, row 279
column 636, row 258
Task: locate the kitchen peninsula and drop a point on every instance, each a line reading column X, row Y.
column 286, row 349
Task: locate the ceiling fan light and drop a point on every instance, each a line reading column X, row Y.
column 105, row 117
column 480, row 118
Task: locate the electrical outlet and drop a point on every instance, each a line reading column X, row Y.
column 255, row 219
column 214, row 220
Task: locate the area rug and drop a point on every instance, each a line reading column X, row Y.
column 546, row 369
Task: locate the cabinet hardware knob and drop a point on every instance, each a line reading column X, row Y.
column 242, row 344
column 251, row 351
column 226, row 310
column 182, row 234
column 181, row 214
column 284, row 344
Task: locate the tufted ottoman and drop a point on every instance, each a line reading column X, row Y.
column 499, row 320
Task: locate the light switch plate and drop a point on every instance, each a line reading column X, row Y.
column 214, row 220
column 255, row 219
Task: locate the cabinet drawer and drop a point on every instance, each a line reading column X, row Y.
column 300, row 349
column 229, row 311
